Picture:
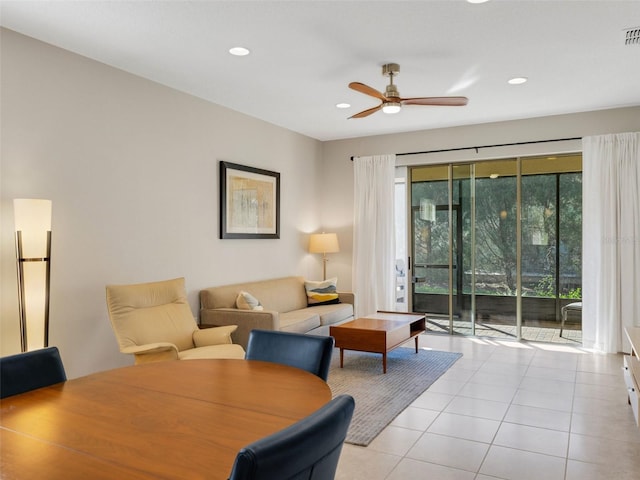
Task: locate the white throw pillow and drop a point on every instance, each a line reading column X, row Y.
column 246, row 301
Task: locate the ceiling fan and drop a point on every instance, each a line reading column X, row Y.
column 391, row 102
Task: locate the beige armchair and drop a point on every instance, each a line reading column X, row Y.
column 154, row 322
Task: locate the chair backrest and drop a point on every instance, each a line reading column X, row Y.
column 309, row 449
column 151, row 312
column 308, row 352
column 28, row 371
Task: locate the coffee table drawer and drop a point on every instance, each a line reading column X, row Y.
column 398, row 336
column 360, row 340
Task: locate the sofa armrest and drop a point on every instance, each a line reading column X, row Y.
column 347, row 297
column 246, row 320
column 152, row 352
column 213, row 336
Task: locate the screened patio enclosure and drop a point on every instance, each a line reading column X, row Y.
column 495, row 246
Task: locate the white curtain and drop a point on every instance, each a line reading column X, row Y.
column 374, row 234
column 611, row 240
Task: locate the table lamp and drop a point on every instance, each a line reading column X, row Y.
column 324, row 243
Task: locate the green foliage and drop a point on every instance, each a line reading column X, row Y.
column 576, row 293
column 546, row 287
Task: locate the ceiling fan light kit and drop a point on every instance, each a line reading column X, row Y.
column 391, row 102
column 391, row 107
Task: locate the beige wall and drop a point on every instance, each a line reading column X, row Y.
column 131, row 167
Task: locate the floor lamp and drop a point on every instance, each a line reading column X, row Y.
column 33, row 253
column 324, row 243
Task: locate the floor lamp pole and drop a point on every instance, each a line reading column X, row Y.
column 324, row 266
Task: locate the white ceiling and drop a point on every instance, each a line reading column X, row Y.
column 305, row 53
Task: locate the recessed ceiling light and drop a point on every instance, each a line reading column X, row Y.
column 239, row 51
column 517, row 80
column 477, row 1
column 343, row 105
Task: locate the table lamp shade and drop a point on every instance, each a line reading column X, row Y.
column 323, row 243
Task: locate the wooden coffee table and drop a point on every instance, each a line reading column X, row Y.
column 379, row 333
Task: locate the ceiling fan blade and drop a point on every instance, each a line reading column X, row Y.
column 443, row 101
column 367, row 90
column 366, row 113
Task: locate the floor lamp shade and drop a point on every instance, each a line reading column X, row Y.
column 324, row 243
column 33, row 254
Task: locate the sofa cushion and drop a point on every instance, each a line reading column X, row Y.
column 279, row 295
column 330, row 314
column 321, row 293
column 299, row 321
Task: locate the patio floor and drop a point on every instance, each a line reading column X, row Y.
column 570, row 335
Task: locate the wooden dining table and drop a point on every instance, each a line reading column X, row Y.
column 173, row 420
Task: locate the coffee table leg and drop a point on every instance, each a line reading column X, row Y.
column 416, row 337
column 341, row 357
column 384, row 363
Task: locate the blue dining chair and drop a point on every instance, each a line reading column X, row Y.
column 309, row 449
column 27, row 371
column 307, row 352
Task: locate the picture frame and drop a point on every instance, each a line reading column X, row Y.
column 249, row 202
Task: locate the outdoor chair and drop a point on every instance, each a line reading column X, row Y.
column 574, row 307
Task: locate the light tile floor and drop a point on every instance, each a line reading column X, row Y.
column 509, row 410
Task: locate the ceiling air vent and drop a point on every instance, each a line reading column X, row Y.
column 632, row 36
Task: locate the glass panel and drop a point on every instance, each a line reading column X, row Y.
column 551, row 244
column 495, row 237
column 462, row 241
column 430, row 244
column 571, row 236
column 570, row 258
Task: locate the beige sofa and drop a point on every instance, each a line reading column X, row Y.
column 284, row 302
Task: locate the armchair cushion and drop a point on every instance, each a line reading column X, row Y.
column 230, row 350
column 151, row 313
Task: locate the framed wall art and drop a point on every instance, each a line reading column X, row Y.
column 249, row 202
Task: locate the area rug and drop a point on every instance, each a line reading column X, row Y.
column 381, row 397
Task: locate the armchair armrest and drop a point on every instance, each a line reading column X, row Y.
column 213, row 336
column 152, row 352
column 246, row 320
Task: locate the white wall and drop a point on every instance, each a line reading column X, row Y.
column 132, row 169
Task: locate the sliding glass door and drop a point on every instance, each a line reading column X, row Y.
column 495, row 245
column 551, row 244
